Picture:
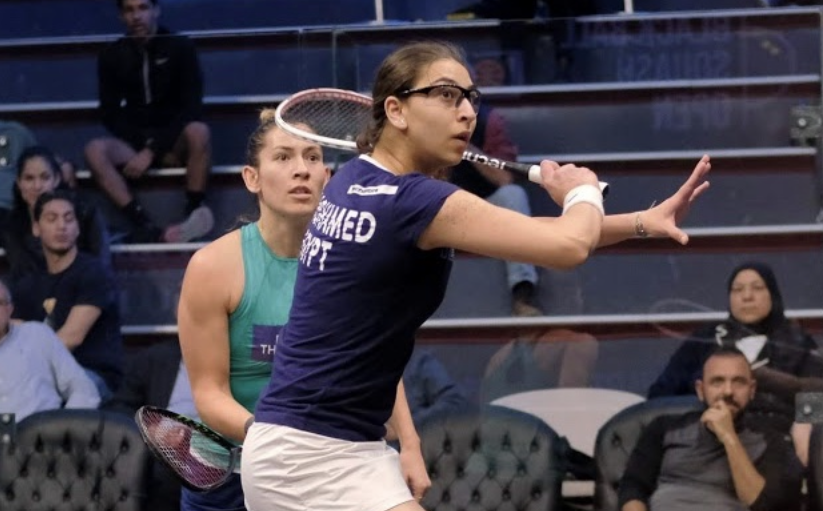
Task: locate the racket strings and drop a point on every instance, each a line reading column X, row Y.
column 191, row 454
column 332, row 117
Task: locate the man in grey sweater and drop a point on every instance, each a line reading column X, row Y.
column 715, row 459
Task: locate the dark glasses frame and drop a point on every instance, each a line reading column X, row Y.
column 472, row 95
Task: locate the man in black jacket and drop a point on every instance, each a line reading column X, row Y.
column 717, row 459
column 151, row 98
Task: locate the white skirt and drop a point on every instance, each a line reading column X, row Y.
column 286, row 469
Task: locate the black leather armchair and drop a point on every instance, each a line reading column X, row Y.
column 617, row 438
column 494, row 458
column 74, row 459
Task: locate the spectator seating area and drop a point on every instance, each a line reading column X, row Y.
column 490, row 457
column 639, row 98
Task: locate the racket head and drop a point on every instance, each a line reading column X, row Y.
column 335, row 117
column 201, row 458
column 326, row 116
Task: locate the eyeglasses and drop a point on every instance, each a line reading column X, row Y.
column 449, row 94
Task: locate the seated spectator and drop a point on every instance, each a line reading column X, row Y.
column 14, row 139
column 429, row 391
column 75, row 295
column 555, row 358
column 38, row 172
column 784, row 358
column 429, row 387
column 496, row 186
column 37, row 372
column 156, row 376
column 153, row 122
column 718, row 459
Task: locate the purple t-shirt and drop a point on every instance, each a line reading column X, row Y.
column 363, row 289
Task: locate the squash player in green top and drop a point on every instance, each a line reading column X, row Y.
column 237, row 293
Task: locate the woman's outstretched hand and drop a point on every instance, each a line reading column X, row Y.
column 664, row 219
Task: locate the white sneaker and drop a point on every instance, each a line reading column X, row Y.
column 199, row 223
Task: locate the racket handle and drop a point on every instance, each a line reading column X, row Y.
column 532, row 171
column 536, row 177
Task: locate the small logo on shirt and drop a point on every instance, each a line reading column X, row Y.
column 264, row 342
column 161, row 61
column 48, row 305
column 447, row 254
column 372, row 190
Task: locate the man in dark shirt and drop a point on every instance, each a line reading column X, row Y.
column 151, row 98
column 714, row 460
column 76, row 296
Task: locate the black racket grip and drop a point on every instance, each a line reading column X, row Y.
column 531, row 171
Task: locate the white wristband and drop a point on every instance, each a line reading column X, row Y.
column 584, row 193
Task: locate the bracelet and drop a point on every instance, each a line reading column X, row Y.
column 589, row 194
column 248, row 424
column 639, row 230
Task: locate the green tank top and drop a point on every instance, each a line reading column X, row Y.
column 261, row 313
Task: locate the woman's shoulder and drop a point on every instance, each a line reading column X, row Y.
column 36, row 332
column 214, row 275
column 705, row 338
column 218, row 255
column 791, row 332
column 726, row 330
column 712, row 330
column 363, row 179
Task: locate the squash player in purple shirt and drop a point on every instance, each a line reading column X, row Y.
column 374, row 265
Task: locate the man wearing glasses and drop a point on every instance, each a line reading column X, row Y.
column 37, row 372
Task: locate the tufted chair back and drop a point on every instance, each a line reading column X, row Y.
column 8, row 427
column 67, row 460
column 494, row 458
column 617, row 438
